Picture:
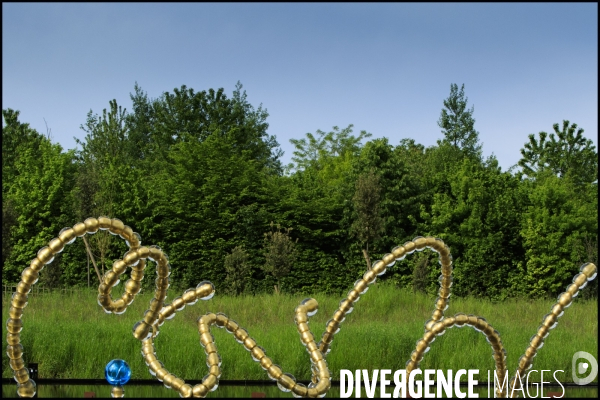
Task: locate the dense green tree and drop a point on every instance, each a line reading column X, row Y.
column 479, row 219
column 558, row 221
column 40, row 195
column 368, row 225
column 458, row 124
column 565, row 152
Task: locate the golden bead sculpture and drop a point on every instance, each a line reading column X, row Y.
column 148, row 327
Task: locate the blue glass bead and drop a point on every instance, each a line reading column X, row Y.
column 117, row 372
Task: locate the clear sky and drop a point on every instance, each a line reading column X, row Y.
column 386, row 68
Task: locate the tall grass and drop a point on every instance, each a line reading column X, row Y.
column 69, row 336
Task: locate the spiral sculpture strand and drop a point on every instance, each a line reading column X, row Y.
column 148, row 328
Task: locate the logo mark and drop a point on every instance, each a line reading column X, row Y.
column 583, row 367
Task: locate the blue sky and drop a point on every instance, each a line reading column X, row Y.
column 386, row 68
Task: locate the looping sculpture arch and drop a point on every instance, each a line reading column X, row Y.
column 148, row 328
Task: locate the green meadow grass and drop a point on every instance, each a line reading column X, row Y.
column 70, row 336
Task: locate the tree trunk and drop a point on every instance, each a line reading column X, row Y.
column 367, row 259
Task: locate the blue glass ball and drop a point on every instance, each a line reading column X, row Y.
column 117, row 372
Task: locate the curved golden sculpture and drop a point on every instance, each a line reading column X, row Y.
column 148, row 328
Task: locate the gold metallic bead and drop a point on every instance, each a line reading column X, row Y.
column 199, row 390
column 209, row 318
column 410, row 247
column 300, row 317
column 155, row 365
column 213, row 359
column 312, row 393
column 274, row 372
column 18, row 300
column 353, row 295
column 110, row 278
column 311, row 346
column 580, row 279
column 421, row 346
column 241, row 334
column 103, row 288
column 131, row 257
column 339, row 316
column 446, row 270
column 215, row 370
column 119, row 267
column 530, row 352
column 257, row 353
column 186, row 390
column 15, row 313
column 472, row 320
column 56, row 245
column 399, row 252
column 536, row 341
column 345, row 305
column 361, row 285
column 169, row 379
column 177, row 383
column 265, row 362
column 203, row 328
column 429, row 337
column 378, row 268
column 133, row 287
column 150, row 316
column 161, row 373
column 67, row 235
column 14, row 325
column 127, row 233
column 45, row 255
column 36, row 265
column 446, row 260
column 370, row 276
column 27, row 389
column 221, row 320
column 143, row 252
column 14, row 351
column 300, row 390
column 588, row 269
column 104, row 222
column 23, row 287
column 206, row 338
column 21, row 375
column 137, row 275
column 572, row 289
column 155, row 253
column 444, row 292
column 178, row 304
column 440, row 304
column 189, row 296
column 420, row 243
column 549, row 320
column 326, row 339
column 210, row 381
column 303, row 327
column 307, row 337
column 286, row 381
column 316, row 355
column 141, row 330
column 437, row 315
column 388, row 259
column 91, row 225
column 117, row 392
column 116, row 226
column 79, row 229
column 249, row 343
column 16, row 363
column 231, row 325
column 461, row 319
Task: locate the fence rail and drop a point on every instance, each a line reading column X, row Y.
column 36, row 290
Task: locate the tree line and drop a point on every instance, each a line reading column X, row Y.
column 197, row 174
